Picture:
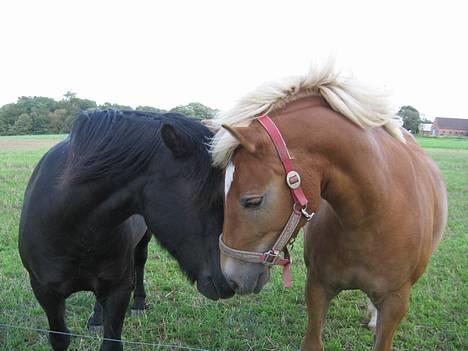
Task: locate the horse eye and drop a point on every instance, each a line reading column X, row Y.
column 252, row 202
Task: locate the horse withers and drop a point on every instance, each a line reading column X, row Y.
column 92, row 198
column 375, row 203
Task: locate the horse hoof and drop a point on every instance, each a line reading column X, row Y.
column 137, row 313
column 96, row 329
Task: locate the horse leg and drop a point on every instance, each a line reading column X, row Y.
column 392, row 308
column 318, row 299
column 54, row 307
column 141, row 255
column 114, row 307
column 95, row 322
column 372, row 314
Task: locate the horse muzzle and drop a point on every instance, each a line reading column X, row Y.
column 244, row 277
column 214, row 289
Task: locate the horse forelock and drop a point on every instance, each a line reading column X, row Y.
column 365, row 106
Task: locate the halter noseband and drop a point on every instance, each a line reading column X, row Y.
column 293, row 180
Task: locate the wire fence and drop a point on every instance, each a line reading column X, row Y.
column 4, row 327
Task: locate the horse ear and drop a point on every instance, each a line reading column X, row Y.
column 243, row 135
column 174, row 141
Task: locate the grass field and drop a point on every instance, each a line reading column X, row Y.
column 272, row 320
column 443, row 143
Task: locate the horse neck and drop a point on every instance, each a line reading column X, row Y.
column 342, row 163
column 100, row 205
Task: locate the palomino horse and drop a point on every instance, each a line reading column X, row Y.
column 91, row 199
column 376, row 202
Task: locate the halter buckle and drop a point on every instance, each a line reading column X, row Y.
column 270, row 257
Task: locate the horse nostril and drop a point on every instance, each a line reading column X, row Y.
column 233, row 284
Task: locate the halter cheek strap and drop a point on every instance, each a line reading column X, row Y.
column 293, row 180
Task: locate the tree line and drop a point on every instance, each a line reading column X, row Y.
column 43, row 115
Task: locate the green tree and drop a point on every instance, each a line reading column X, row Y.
column 150, row 109
column 42, row 115
column 8, row 115
column 23, row 125
column 40, row 124
column 195, row 110
column 3, row 127
column 69, row 95
column 84, row 104
column 410, row 117
column 73, row 106
column 108, row 105
column 39, row 110
column 57, row 120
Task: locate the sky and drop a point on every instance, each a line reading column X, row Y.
column 168, row 53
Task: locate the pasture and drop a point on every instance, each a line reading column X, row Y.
column 272, row 320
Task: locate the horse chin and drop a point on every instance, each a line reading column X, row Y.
column 208, row 288
column 262, row 280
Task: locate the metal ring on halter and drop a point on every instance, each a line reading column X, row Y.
column 304, row 212
column 295, row 210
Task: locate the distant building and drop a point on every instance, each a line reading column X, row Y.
column 425, row 129
column 449, row 127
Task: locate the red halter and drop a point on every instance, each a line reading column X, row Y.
column 293, row 180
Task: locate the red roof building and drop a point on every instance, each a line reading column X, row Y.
column 450, row 127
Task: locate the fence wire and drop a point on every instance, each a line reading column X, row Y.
column 4, row 327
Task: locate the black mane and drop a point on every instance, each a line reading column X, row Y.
column 118, row 144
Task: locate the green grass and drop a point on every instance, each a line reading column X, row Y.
column 443, row 143
column 52, row 137
column 272, row 320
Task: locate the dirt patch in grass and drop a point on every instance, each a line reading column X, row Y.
column 10, row 145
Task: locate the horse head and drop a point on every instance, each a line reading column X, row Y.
column 183, row 204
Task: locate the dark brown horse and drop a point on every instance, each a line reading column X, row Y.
column 379, row 201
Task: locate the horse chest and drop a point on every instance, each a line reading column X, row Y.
column 89, row 273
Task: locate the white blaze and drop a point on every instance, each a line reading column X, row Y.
column 228, row 177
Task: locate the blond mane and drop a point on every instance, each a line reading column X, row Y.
column 366, row 107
